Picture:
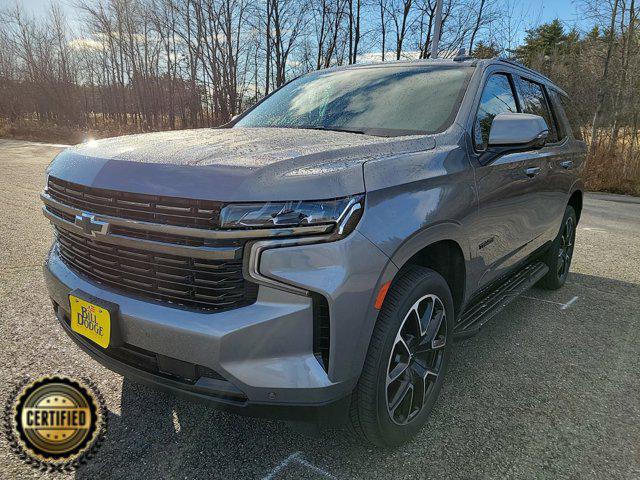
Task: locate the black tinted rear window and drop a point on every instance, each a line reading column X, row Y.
column 571, row 115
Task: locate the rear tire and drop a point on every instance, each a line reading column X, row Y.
column 558, row 258
column 406, row 361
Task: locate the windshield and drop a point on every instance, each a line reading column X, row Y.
column 385, row 101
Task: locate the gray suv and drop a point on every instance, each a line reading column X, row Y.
column 316, row 258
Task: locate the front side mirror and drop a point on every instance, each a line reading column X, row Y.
column 514, row 132
column 519, row 130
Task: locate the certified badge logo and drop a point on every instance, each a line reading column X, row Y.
column 55, row 423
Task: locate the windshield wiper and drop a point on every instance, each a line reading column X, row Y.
column 331, row 129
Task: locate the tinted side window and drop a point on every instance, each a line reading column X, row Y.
column 558, row 112
column 535, row 102
column 497, row 97
column 571, row 115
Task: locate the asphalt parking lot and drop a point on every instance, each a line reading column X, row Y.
column 550, row 389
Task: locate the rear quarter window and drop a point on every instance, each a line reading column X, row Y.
column 570, row 113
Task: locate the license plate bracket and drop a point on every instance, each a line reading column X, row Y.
column 95, row 319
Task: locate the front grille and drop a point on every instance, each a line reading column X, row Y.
column 182, row 212
column 182, row 281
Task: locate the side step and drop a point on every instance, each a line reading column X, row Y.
column 478, row 313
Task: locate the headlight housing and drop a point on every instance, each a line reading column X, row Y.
column 343, row 212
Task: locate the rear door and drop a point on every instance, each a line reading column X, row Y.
column 511, row 213
column 554, row 160
column 566, row 168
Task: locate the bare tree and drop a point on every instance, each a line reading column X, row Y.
column 399, row 12
column 138, row 65
column 354, row 30
column 604, row 81
column 476, row 28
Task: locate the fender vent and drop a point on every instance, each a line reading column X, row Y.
column 321, row 330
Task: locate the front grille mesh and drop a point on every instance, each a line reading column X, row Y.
column 184, row 281
column 182, row 212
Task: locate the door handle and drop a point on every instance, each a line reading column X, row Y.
column 532, row 171
column 567, row 164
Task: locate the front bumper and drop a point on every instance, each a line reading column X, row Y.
column 263, row 352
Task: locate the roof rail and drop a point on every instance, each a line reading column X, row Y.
column 511, row 61
column 515, row 63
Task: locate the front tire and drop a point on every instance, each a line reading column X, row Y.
column 559, row 256
column 406, row 361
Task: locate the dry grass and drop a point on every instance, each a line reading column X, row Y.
column 37, row 131
column 614, row 168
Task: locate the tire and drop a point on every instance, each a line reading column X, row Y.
column 558, row 257
column 373, row 417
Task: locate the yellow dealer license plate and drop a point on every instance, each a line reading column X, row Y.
column 90, row 320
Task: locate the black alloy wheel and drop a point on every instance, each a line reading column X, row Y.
column 560, row 252
column 407, row 359
column 565, row 252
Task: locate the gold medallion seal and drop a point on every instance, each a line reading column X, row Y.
column 55, row 421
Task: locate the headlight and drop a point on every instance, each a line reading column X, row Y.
column 344, row 212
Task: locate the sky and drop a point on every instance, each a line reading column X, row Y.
column 539, row 11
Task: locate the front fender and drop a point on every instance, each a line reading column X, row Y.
column 446, row 230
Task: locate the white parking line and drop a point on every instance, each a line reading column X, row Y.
column 563, row 306
column 569, row 303
column 282, row 465
column 296, row 457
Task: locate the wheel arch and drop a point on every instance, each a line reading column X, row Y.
column 446, row 258
column 576, row 202
column 424, row 248
column 442, row 249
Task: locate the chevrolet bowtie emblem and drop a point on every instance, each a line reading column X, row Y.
column 90, row 225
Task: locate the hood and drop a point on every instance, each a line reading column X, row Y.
column 238, row 164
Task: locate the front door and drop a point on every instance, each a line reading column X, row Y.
column 511, row 210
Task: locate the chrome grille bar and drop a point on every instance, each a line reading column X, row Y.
column 220, row 253
column 188, row 231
